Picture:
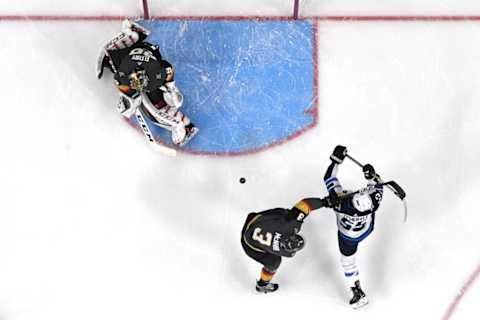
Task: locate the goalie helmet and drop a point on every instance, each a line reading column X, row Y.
column 292, row 243
column 362, row 201
column 138, row 79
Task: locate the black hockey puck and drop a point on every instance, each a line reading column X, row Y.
column 242, row 180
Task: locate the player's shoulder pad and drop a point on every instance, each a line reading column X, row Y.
column 152, row 47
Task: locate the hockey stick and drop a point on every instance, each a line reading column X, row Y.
column 148, row 134
column 366, row 189
column 392, row 185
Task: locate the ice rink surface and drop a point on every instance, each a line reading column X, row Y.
column 96, row 225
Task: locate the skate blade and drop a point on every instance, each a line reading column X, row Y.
column 262, row 292
column 360, row 303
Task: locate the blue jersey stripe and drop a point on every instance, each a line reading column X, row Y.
column 331, row 184
column 351, row 274
column 331, row 179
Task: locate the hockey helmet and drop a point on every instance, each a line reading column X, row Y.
column 362, row 201
column 138, row 79
column 292, row 243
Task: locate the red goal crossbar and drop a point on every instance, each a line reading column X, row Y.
column 146, row 12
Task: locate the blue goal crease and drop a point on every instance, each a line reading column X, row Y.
column 247, row 84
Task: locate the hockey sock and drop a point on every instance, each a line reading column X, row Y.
column 265, row 276
column 350, row 269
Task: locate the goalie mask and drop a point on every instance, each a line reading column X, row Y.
column 138, row 80
column 362, row 201
column 292, row 243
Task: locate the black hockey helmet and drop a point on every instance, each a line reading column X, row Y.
column 292, row 243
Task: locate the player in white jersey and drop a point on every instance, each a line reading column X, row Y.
column 355, row 212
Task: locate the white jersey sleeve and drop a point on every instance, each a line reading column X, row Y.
column 331, row 181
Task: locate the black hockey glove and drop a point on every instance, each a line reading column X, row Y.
column 333, row 200
column 326, row 202
column 338, row 154
column 368, row 171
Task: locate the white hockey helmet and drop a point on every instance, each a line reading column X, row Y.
column 362, row 201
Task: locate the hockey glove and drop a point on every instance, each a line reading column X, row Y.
column 333, row 200
column 368, row 171
column 338, row 154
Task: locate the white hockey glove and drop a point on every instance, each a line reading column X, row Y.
column 128, row 105
column 172, row 96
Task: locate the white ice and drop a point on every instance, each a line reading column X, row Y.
column 95, row 225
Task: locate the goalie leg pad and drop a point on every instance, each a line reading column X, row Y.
column 178, row 134
column 177, row 121
column 171, row 119
column 171, row 94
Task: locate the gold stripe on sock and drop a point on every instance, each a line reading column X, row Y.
column 303, row 206
column 266, row 276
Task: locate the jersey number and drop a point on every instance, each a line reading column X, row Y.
column 265, row 239
column 354, row 226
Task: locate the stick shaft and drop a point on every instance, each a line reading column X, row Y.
column 361, row 166
column 150, row 137
column 405, row 213
column 354, row 160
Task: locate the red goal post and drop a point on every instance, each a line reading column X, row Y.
column 146, row 12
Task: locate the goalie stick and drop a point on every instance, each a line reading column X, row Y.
column 149, row 136
column 392, row 185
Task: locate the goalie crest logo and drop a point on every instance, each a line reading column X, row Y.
column 141, row 55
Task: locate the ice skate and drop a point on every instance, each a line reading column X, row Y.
column 191, row 132
column 359, row 299
column 266, row 288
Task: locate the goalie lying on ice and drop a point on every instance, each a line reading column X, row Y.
column 145, row 81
